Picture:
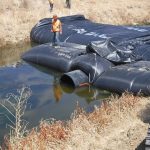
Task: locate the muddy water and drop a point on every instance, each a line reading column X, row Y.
column 48, row 99
column 12, row 54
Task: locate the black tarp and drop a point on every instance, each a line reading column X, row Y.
column 59, row 58
column 78, row 29
column 127, row 51
column 116, row 43
column 133, row 77
column 96, row 46
column 68, row 57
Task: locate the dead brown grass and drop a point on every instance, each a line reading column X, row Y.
column 19, row 16
column 112, row 107
column 114, row 125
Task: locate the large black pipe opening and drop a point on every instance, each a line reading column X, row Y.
column 74, row 78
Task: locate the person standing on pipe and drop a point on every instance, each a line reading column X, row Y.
column 68, row 4
column 51, row 4
column 56, row 29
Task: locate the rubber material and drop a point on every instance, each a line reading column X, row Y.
column 118, row 44
column 74, row 78
column 92, row 65
column 114, row 58
column 41, row 34
column 131, row 77
column 67, row 57
column 92, row 69
column 78, row 29
column 147, row 140
column 59, row 58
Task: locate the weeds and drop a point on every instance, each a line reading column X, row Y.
column 82, row 128
column 114, row 106
column 16, row 105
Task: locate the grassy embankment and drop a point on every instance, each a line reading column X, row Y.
column 19, row 16
column 118, row 124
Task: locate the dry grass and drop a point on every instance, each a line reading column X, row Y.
column 16, row 104
column 114, row 108
column 114, row 125
column 47, row 137
column 19, row 16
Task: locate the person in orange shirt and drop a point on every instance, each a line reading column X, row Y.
column 56, row 29
column 51, row 4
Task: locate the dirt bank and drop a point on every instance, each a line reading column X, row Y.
column 117, row 125
column 19, row 16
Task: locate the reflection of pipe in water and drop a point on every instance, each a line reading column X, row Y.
column 83, row 91
column 92, row 94
column 78, row 82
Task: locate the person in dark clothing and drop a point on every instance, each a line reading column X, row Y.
column 68, row 4
column 51, row 4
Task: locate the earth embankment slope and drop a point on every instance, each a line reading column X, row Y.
column 18, row 17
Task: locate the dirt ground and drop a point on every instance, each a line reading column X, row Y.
column 19, row 16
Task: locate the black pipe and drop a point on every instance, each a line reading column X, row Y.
column 74, row 78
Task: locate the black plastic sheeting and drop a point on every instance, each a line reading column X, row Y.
column 114, row 58
column 78, row 29
column 133, row 78
column 92, row 65
column 127, row 51
column 69, row 57
column 74, row 78
column 115, row 43
column 59, row 59
column 41, row 32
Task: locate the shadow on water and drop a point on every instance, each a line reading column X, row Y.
column 49, row 99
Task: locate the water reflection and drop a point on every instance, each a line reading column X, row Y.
column 49, row 99
column 57, row 89
column 12, row 54
column 89, row 93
